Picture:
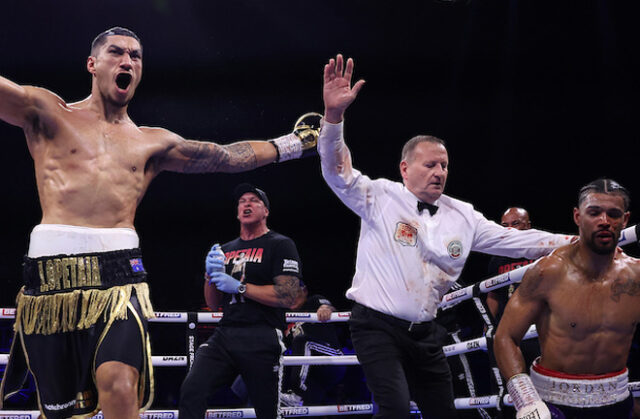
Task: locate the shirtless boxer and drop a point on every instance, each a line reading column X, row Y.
column 585, row 301
column 81, row 317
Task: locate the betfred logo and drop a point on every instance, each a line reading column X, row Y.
column 158, row 415
column 8, row 312
column 490, row 283
column 294, row 411
column 456, row 294
column 347, row 315
column 14, row 416
column 355, row 407
column 225, row 414
column 479, row 401
column 216, row 315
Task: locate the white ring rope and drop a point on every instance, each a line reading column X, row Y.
column 335, row 410
column 627, row 236
column 449, row 350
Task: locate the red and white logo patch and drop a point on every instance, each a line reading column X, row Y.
column 406, row 234
column 455, row 249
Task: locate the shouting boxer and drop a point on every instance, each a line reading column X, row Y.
column 81, row 316
column 585, row 301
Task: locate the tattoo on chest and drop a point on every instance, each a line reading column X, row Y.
column 627, row 286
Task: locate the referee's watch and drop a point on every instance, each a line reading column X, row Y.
column 242, row 288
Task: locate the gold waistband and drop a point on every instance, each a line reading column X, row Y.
column 78, row 309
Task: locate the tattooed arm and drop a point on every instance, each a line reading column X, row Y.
column 285, row 293
column 189, row 156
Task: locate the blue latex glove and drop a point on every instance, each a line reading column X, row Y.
column 214, row 261
column 225, row 283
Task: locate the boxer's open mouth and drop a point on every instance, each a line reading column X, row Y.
column 123, row 80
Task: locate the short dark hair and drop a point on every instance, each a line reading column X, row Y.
column 606, row 186
column 410, row 145
column 117, row 30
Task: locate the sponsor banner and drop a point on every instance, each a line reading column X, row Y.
column 173, row 358
column 166, row 315
column 298, row 316
column 494, row 282
column 355, row 407
column 448, row 348
column 473, row 344
column 7, row 312
column 224, row 414
column 295, row 411
column 456, row 295
column 479, row 401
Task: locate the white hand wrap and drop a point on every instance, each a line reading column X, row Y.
column 289, row 147
column 525, row 398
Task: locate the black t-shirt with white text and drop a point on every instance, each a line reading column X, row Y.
column 258, row 262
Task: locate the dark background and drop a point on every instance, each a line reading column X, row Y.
column 534, row 100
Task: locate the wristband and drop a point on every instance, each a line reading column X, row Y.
column 288, row 147
column 522, row 391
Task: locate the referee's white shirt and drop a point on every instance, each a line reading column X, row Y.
column 406, row 261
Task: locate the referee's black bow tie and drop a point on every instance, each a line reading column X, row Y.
column 432, row 208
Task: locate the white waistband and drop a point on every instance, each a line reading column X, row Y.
column 581, row 392
column 56, row 239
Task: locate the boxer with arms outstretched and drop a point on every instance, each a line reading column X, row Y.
column 81, row 317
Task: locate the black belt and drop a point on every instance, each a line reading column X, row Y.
column 64, row 273
column 394, row 321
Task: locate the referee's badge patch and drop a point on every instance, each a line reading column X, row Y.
column 455, row 249
column 406, row 234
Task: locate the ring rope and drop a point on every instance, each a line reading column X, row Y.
column 628, row 235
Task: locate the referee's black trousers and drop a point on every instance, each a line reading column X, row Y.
column 403, row 362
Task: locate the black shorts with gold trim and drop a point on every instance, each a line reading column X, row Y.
column 75, row 313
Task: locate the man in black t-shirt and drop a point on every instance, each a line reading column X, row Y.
column 255, row 277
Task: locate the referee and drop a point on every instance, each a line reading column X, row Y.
column 414, row 242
